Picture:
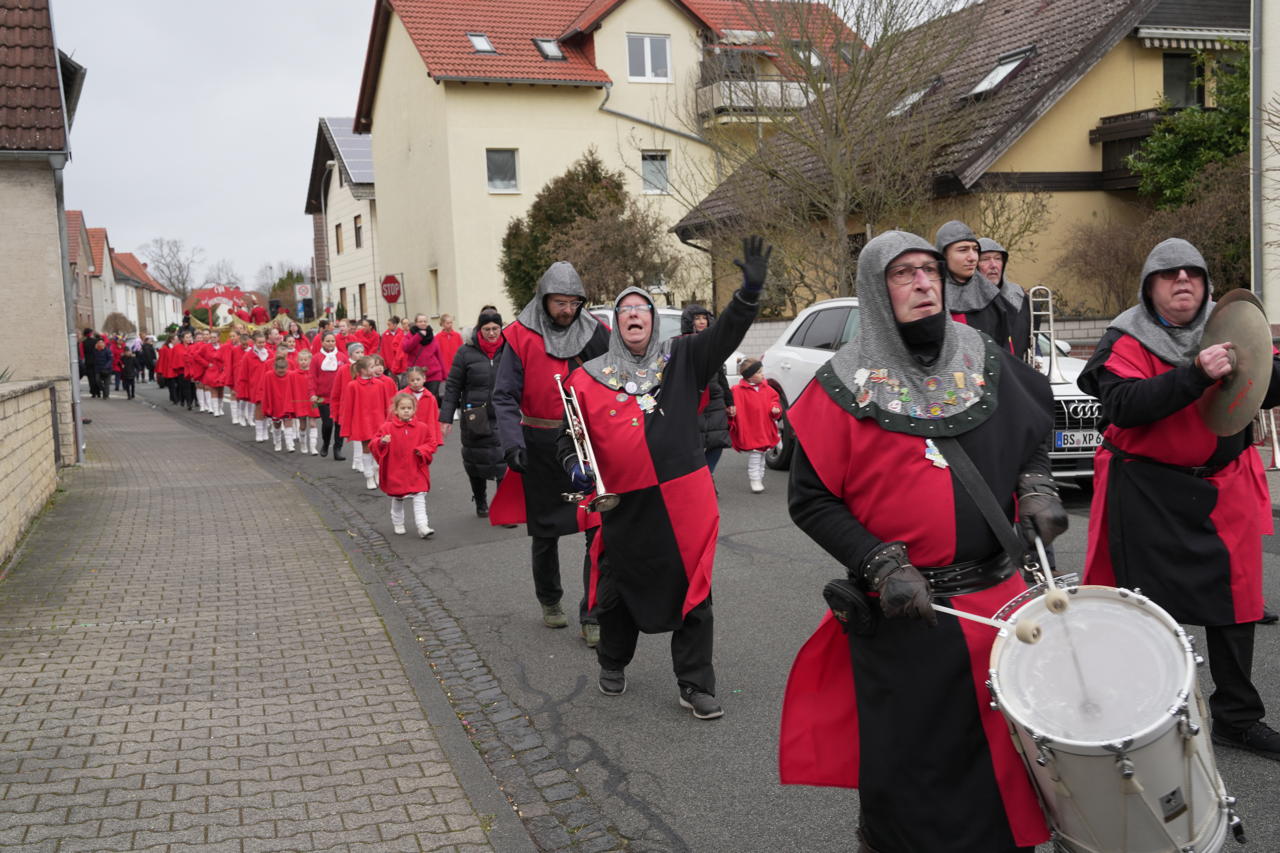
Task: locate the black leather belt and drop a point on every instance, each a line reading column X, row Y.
column 1201, row 471
column 969, row 576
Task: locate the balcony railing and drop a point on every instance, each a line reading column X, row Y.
column 751, row 96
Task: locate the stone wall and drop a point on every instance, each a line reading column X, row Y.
column 28, row 458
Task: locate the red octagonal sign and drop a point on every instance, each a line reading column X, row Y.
column 391, row 288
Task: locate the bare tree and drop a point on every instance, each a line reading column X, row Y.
column 222, row 272
column 622, row 243
column 831, row 140
column 171, row 262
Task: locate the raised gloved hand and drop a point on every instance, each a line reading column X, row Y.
column 903, row 590
column 582, row 478
column 517, row 459
column 754, row 263
column 1040, row 510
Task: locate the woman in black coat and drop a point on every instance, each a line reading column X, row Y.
column 468, row 389
column 713, row 418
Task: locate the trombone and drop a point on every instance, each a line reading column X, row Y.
column 604, row 500
column 1042, row 310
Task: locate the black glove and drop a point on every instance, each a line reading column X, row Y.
column 754, row 264
column 903, row 590
column 1040, row 510
column 517, row 459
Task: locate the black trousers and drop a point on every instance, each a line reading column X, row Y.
column 326, row 425
column 172, row 384
column 546, row 573
column 128, row 386
column 186, row 392
column 94, row 384
column 104, row 384
column 1234, row 704
column 691, row 643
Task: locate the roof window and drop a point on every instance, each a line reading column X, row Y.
column 1005, row 66
column 549, row 48
column 481, row 43
column 909, row 100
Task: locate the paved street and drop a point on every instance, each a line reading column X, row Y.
column 133, row 675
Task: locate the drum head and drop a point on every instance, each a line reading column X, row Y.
column 1107, row 669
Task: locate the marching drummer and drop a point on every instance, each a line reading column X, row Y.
column 1178, row 511
column 894, row 704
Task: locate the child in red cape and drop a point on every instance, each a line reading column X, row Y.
column 256, row 363
column 308, row 413
column 404, row 447
column 279, row 406
column 428, row 412
column 365, row 402
column 341, row 380
column 754, row 425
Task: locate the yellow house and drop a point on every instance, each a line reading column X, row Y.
column 473, row 107
column 1053, row 98
column 340, row 199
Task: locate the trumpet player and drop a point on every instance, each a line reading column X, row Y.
column 654, row 551
column 553, row 334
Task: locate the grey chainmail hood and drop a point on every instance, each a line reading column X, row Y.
column 561, row 342
column 1012, row 293
column 623, row 370
column 1177, row 345
column 875, row 375
column 963, row 296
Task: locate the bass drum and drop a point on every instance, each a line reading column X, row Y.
column 1109, row 718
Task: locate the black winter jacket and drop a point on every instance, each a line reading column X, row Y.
column 470, row 385
column 714, row 419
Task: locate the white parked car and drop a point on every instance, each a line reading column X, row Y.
column 822, row 328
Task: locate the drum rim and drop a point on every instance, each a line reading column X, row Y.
column 1138, row 739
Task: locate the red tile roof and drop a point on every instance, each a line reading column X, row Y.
column 31, row 116
column 439, row 30
column 75, row 226
column 127, row 265
column 97, row 241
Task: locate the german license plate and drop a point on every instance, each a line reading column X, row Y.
column 1076, row 439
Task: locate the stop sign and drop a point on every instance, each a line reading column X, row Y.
column 391, row 288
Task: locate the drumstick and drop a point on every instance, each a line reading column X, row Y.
column 1055, row 597
column 1025, row 629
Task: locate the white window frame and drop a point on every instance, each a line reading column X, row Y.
column 1005, row 66
column 515, row 158
column 481, row 43
column 653, row 156
column 648, row 58
column 550, row 50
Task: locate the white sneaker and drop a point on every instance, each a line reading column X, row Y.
column 425, row 532
column 757, row 486
column 370, row 482
column 399, row 529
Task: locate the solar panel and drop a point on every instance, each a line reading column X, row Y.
column 356, row 150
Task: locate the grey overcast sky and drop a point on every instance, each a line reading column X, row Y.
column 198, row 120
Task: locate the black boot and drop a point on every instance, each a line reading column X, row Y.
column 478, row 485
column 337, row 448
column 326, row 432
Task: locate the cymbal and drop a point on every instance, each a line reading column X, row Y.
column 1228, row 406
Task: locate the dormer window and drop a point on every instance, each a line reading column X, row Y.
column 549, row 48
column 1005, row 66
column 481, row 43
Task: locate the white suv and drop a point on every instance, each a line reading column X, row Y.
column 822, row 328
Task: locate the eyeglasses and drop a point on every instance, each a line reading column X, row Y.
column 903, row 274
column 633, row 309
column 1172, row 275
column 566, row 303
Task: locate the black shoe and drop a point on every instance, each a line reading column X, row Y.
column 1268, row 618
column 1259, row 738
column 324, row 449
column 613, row 682
column 703, row 705
column 338, row 457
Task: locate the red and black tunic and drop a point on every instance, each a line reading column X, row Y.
column 1177, row 511
column 658, row 544
column 902, row 713
column 525, row 389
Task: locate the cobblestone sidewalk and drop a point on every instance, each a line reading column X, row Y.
column 187, row 660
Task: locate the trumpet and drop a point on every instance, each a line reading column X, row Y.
column 1042, row 310
column 604, row 499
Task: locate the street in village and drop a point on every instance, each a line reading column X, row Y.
column 210, row 644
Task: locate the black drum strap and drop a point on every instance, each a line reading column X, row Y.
column 967, row 473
